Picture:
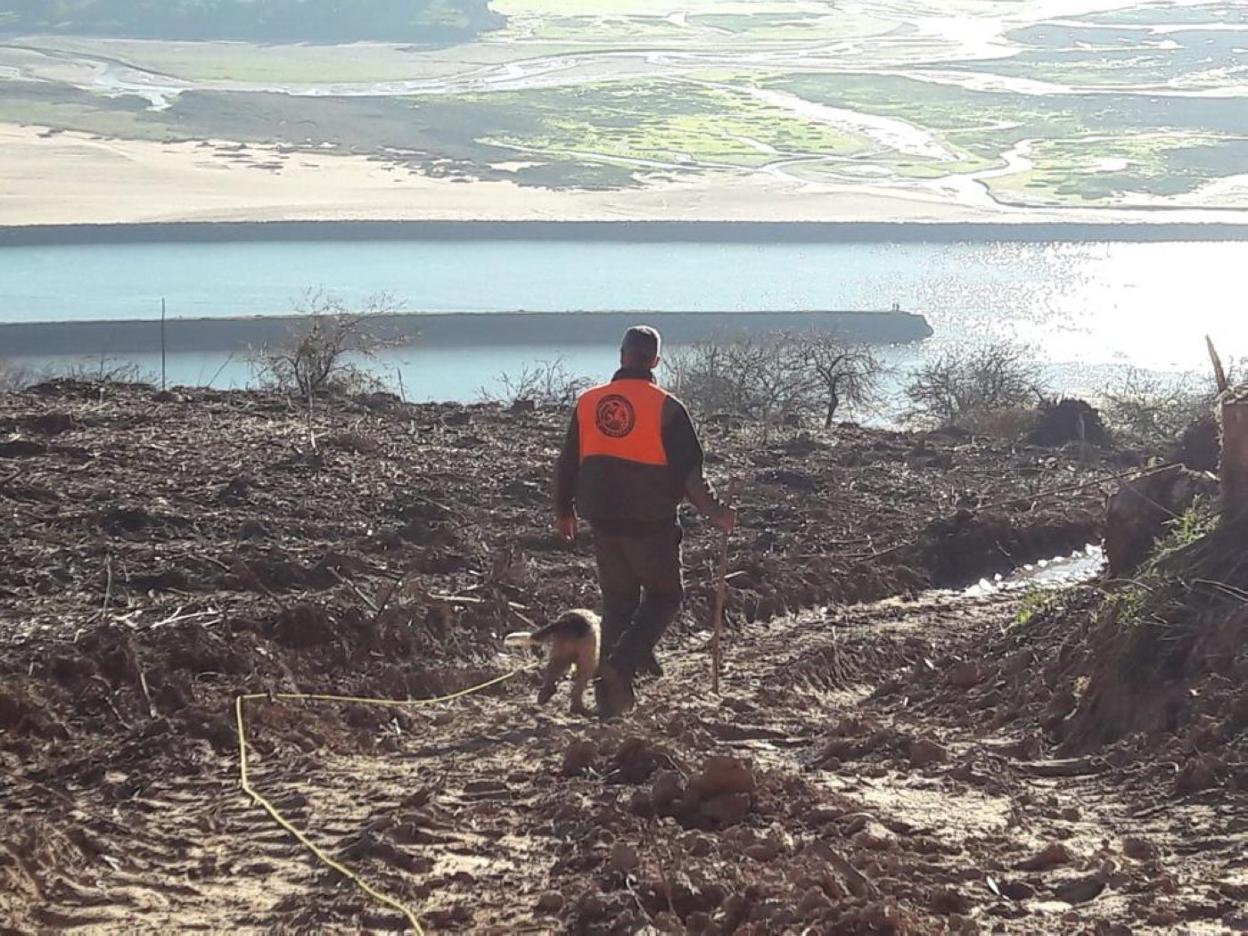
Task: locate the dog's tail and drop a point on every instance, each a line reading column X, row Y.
column 532, row 638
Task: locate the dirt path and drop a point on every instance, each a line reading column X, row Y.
column 875, row 803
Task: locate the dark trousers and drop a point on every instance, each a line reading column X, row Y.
column 640, row 579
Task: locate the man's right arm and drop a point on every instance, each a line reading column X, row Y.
column 566, row 469
column 686, row 457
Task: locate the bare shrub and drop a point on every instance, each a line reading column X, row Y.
column 963, row 385
column 843, row 373
column 706, row 377
column 104, row 370
column 1012, row 423
column 317, row 358
column 14, row 376
column 544, row 383
column 762, row 378
column 775, row 378
column 1157, row 408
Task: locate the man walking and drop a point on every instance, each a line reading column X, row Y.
column 631, row 456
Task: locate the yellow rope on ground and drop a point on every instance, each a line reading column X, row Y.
column 245, row 782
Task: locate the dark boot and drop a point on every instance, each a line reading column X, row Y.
column 650, row 666
column 613, row 692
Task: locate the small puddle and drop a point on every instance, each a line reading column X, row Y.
column 1080, row 566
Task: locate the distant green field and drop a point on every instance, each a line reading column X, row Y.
column 660, row 121
column 586, row 94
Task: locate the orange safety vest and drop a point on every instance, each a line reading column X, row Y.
column 623, row 419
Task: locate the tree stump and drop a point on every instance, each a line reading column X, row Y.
column 1235, row 453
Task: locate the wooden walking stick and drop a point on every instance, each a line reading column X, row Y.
column 721, row 595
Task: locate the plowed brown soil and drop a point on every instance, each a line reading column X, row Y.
column 166, row 552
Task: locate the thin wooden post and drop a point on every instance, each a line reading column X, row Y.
column 1234, row 419
column 721, row 597
column 1219, row 373
column 162, row 343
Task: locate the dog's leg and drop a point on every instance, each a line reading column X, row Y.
column 586, row 668
column 555, row 671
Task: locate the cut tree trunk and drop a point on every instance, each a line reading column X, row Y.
column 1235, row 453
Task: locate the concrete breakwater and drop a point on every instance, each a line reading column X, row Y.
column 450, row 330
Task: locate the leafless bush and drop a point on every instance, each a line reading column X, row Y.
column 545, row 383
column 317, row 359
column 1012, row 423
column 1156, row 408
column 102, row 370
column 706, row 377
column 963, row 385
column 14, row 376
column 843, row 373
column 774, row 378
column 762, row 378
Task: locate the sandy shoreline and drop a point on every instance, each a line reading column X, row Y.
column 77, row 180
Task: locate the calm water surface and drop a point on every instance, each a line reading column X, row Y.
column 1088, row 309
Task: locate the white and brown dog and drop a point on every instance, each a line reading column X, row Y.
column 572, row 639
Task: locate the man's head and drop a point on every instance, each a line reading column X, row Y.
column 641, row 347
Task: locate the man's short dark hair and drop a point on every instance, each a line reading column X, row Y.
column 641, row 344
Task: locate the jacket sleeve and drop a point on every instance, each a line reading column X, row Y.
column 566, row 469
column 685, row 458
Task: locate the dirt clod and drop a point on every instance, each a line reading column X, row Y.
column 550, row 902
column 723, row 775
column 924, row 751
column 1081, row 889
column 1053, row 855
column 726, row 809
column 624, row 858
column 579, row 757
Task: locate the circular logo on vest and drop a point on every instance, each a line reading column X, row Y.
column 615, row 417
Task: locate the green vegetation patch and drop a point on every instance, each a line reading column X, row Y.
column 62, row 107
column 1106, row 169
column 657, row 121
column 796, row 26
column 1192, row 580
column 596, row 31
column 988, row 122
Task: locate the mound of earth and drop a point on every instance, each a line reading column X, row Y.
column 1068, row 421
